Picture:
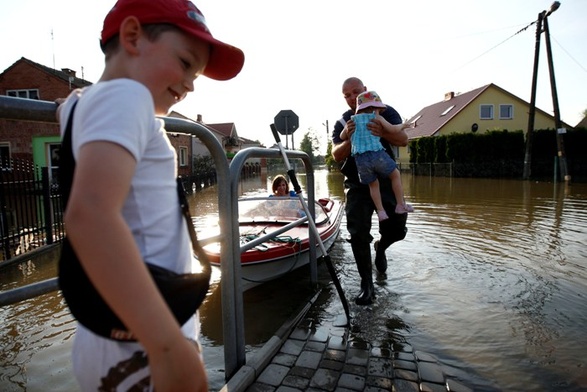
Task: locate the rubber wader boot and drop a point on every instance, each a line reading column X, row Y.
column 363, row 259
column 396, row 232
column 380, row 259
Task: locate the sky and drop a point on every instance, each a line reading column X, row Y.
column 298, row 53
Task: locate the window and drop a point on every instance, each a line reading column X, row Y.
column 30, row 94
column 446, row 111
column 53, row 155
column 506, row 112
column 4, row 156
column 183, row 156
column 486, row 112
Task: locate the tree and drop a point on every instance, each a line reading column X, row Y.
column 329, row 159
column 310, row 144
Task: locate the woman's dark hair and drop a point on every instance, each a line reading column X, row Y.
column 277, row 180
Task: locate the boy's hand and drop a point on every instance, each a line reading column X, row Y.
column 59, row 102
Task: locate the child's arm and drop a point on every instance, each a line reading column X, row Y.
column 395, row 134
column 108, row 253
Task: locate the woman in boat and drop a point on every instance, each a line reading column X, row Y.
column 280, row 187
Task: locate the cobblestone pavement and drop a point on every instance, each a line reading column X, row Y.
column 325, row 356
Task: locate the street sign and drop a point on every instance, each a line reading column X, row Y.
column 286, row 122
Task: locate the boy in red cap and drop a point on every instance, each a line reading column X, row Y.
column 370, row 155
column 123, row 208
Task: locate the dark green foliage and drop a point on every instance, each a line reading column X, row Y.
column 501, row 153
column 329, row 159
column 440, row 150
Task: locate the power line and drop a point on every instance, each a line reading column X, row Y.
column 499, row 44
column 568, row 54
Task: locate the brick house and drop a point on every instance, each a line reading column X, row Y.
column 40, row 142
column 30, row 140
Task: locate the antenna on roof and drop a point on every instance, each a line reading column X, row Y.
column 53, row 48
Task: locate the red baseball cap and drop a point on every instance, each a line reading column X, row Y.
column 226, row 61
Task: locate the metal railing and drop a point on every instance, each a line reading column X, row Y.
column 229, row 239
column 30, row 209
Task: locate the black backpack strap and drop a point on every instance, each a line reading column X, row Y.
column 67, row 168
column 67, row 162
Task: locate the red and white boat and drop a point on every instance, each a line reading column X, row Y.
column 272, row 245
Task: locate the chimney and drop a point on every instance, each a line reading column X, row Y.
column 69, row 72
column 448, row 96
column 199, row 118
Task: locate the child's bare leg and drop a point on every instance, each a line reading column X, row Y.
column 376, row 197
column 398, row 191
column 396, row 185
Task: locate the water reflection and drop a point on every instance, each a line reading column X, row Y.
column 501, row 274
column 491, row 280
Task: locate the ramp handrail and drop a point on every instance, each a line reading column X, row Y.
column 44, row 111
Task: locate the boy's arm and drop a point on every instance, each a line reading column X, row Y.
column 108, row 253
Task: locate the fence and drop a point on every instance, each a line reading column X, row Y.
column 428, row 169
column 30, row 209
column 498, row 168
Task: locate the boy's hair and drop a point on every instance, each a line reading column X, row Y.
column 225, row 62
column 152, row 31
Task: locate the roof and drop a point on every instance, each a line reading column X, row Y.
column 175, row 114
column 431, row 119
column 60, row 74
column 224, row 129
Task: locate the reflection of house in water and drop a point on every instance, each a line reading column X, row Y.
column 27, row 268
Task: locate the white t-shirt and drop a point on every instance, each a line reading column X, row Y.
column 121, row 111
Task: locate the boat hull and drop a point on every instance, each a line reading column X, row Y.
column 284, row 252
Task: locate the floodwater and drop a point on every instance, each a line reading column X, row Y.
column 491, row 280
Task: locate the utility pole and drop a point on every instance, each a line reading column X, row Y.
column 562, row 159
column 532, row 111
column 543, row 20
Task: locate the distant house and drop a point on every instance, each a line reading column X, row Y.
column 230, row 140
column 486, row 108
column 34, row 141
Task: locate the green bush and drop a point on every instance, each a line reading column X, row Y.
column 501, row 153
